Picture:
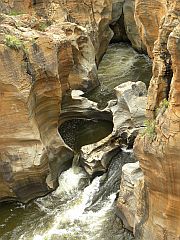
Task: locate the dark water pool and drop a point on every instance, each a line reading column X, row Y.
column 78, row 132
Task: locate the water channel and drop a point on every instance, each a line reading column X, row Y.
column 82, row 209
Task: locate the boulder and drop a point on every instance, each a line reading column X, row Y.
column 130, row 205
column 128, row 113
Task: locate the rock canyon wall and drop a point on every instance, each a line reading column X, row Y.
column 158, row 147
column 46, row 49
column 150, row 207
column 50, row 47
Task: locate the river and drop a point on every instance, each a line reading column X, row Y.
column 82, row 209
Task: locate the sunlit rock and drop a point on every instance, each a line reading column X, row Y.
column 129, row 112
column 159, row 155
column 37, row 68
column 130, row 204
column 128, row 118
column 148, row 16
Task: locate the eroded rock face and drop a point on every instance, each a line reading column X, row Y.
column 131, row 25
column 80, row 107
column 54, row 47
column 93, row 15
column 37, row 68
column 159, row 154
column 128, row 114
column 124, row 25
column 148, row 15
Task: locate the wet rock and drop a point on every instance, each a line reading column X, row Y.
column 110, row 181
column 128, row 118
column 34, row 78
column 47, row 48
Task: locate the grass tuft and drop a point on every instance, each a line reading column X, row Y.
column 150, row 127
column 164, row 104
column 13, row 42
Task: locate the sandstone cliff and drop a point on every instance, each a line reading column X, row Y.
column 46, row 49
column 158, row 148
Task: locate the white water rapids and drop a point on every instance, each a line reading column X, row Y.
column 72, row 219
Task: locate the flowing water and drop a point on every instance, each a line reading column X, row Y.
column 80, row 209
column 120, row 64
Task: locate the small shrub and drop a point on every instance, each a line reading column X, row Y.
column 164, row 104
column 149, row 129
column 13, row 42
column 43, row 26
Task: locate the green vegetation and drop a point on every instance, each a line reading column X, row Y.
column 13, row 42
column 149, row 129
column 15, row 13
column 164, row 104
column 43, row 26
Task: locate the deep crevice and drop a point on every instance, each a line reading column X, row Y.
column 119, row 30
column 168, row 74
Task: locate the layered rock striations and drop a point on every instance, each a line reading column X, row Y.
column 148, row 17
column 47, row 49
column 158, row 148
column 93, row 15
column 42, row 57
column 36, row 70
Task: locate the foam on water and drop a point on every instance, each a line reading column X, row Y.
column 69, row 181
column 75, row 210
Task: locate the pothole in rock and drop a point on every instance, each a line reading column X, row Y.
column 80, row 132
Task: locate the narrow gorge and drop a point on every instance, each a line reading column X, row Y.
column 89, row 119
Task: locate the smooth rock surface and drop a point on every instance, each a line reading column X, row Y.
column 79, row 107
column 148, row 15
column 33, row 80
column 129, row 112
column 130, row 202
column 128, row 118
column 131, row 25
